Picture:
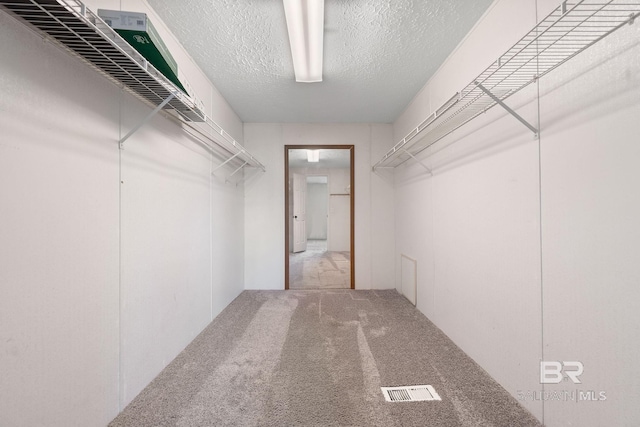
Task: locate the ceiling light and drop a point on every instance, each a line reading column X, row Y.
column 313, row 156
column 305, row 23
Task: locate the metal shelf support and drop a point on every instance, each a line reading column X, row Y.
column 145, row 120
column 509, row 110
column 236, row 171
column 419, row 161
column 571, row 28
column 226, row 161
column 82, row 33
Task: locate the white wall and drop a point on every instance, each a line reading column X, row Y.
column 264, row 202
column 334, row 209
column 110, row 261
column 58, row 237
column 317, row 198
column 591, row 234
column 527, row 248
column 339, row 224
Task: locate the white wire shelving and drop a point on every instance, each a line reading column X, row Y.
column 80, row 31
column 570, row 29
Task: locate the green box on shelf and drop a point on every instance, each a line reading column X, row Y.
column 137, row 30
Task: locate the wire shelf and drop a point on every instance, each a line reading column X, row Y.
column 79, row 30
column 570, row 29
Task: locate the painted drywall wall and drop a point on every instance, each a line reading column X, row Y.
column 339, row 227
column 525, row 246
column 333, row 225
column 590, row 232
column 318, row 203
column 339, row 223
column 58, row 237
column 110, row 261
column 264, row 202
column 317, row 196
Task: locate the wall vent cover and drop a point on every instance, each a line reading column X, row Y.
column 412, row 393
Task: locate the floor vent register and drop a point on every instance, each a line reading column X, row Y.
column 412, row 393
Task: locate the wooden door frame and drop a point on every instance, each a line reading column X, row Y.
column 352, row 199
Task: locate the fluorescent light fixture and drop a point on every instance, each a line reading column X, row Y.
column 313, row 156
column 305, row 23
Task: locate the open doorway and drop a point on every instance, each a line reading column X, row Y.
column 319, row 217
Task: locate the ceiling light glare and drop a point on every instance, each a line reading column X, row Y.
column 313, row 156
column 305, row 24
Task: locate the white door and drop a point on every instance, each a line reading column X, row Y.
column 299, row 213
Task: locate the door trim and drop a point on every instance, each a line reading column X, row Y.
column 352, row 198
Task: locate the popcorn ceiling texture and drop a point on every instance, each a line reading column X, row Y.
column 377, row 54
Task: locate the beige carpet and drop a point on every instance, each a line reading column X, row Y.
column 319, row 358
column 316, row 268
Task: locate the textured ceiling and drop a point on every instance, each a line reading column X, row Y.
column 377, row 54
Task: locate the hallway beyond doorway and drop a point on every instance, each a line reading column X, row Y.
column 336, row 163
column 317, row 268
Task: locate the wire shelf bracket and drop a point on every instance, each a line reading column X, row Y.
column 226, row 161
column 574, row 26
column 145, row 120
column 81, row 32
column 419, row 161
column 508, row 109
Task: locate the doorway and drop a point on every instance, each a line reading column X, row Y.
column 319, row 217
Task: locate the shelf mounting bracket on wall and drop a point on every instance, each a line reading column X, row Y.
column 226, row 161
column 419, row 161
column 507, row 108
column 82, row 33
column 568, row 30
column 145, row 120
column 236, row 171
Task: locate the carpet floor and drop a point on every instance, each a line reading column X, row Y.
column 319, row 358
column 317, row 268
